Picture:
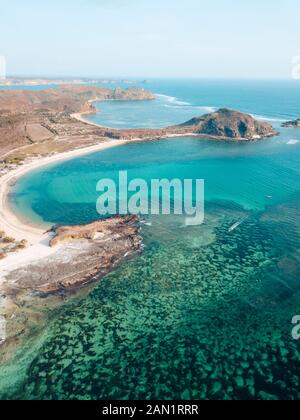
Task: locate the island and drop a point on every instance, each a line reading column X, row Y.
column 292, row 124
column 20, row 82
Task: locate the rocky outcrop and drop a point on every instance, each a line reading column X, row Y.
column 9, row 245
column 292, row 124
column 88, row 108
column 226, row 123
column 95, row 230
column 45, row 122
column 132, row 94
column 85, row 253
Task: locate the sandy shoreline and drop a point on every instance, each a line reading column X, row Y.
column 35, row 235
column 9, row 222
column 80, row 117
column 18, row 229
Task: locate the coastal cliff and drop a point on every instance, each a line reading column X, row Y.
column 65, row 99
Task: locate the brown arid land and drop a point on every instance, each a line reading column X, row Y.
column 41, row 127
column 42, row 122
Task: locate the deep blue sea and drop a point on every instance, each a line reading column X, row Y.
column 204, row 312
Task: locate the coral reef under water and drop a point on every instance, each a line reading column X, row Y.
column 186, row 320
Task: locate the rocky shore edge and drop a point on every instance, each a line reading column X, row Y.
column 83, row 254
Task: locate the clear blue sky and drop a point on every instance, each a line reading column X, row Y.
column 150, row 38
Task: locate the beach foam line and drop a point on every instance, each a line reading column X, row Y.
column 9, row 221
column 172, row 99
column 264, row 118
column 205, row 109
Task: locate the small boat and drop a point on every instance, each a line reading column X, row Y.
column 237, row 224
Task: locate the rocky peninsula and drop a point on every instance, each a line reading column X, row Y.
column 81, row 254
column 224, row 124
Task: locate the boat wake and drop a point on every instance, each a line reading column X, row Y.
column 237, row 224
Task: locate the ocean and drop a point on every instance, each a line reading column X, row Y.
column 205, row 312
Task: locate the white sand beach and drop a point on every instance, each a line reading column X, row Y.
column 18, row 229
column 14, row 227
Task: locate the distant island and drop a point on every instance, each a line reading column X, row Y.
column 16, row 81
column 292, row 124
column 226, row 123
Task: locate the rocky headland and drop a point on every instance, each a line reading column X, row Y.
column 82, row 254
column 227, row 123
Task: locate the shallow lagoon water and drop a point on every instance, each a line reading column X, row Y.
column 203, row 312
column 248, row 175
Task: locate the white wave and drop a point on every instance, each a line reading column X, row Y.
column 204, row 109
column 173, row 102
column 264, row 118
column 292, row 141
column 177, row 106
column 207, row 108
column 172, row 99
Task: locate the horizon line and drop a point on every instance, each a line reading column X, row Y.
column 142, row 78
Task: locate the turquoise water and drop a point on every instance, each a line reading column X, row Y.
column 244, row 174
column 204, row 313
column 178, row 101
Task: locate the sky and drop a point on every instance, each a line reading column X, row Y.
column 150, row 38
